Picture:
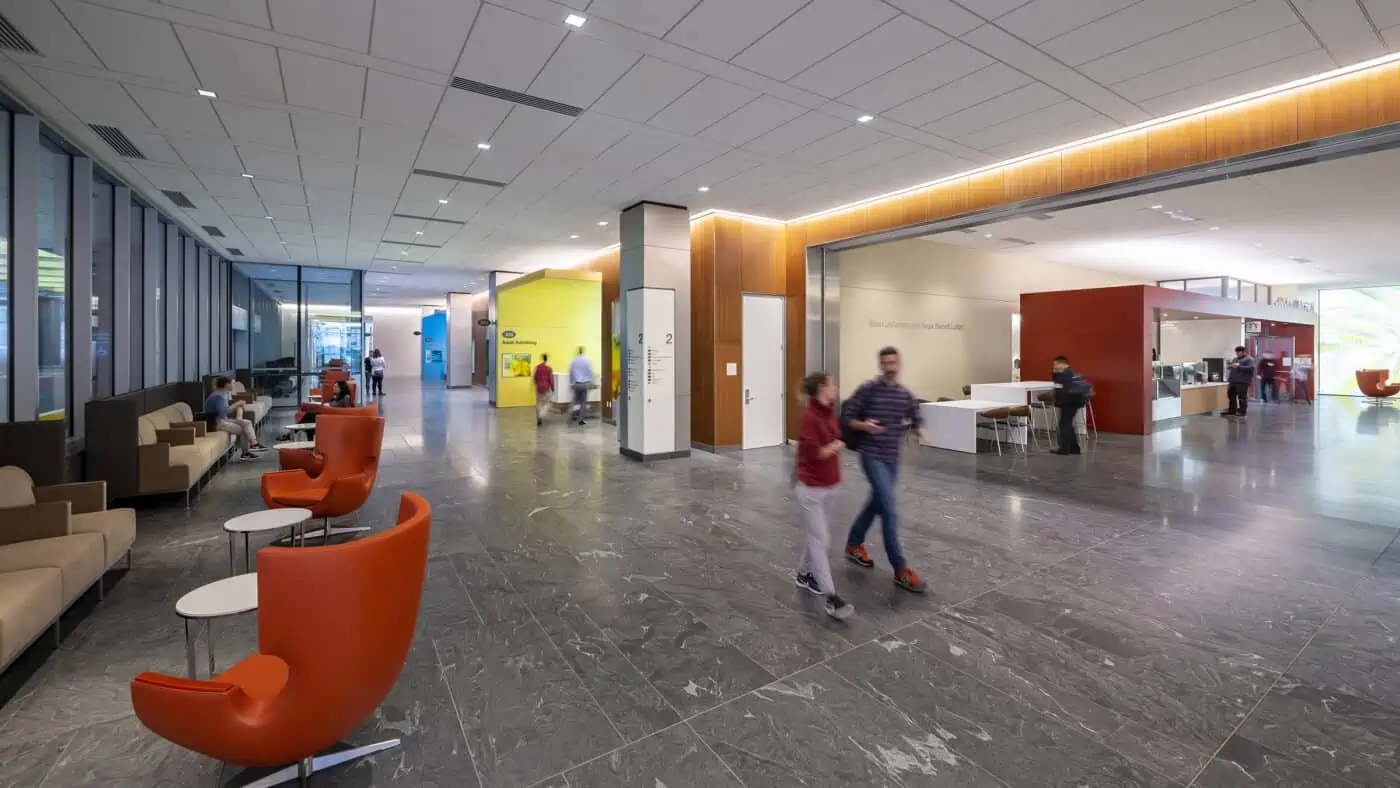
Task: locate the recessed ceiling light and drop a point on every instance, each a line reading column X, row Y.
column 246, row 175
column 284, row 243
column 865, row 118
column 1215, row 228
column 574, row 20
column 484, row 145
column 602, row 224
column 442, row 202
column 1156, row 207
column 420, row 232
column 573, row 236
column 704, row 188
column 207, row 93
column 1258, row 246
column 394, row 267
column 986, row 235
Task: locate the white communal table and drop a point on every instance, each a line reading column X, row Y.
column 1019, row 393
column 953, row 425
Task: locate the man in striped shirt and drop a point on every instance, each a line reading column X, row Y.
column 881, row 411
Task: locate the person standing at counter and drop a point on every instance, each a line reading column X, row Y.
column 877, row 417
column 1071, row 394
column 1268, row 369
column 1241, row 374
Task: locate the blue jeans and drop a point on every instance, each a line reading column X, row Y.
column 881, row 474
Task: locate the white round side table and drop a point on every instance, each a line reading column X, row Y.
column 296, row 445
column 257, row 522
column 227, row 597
column 308, row 426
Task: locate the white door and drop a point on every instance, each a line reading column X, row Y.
column 765, row 417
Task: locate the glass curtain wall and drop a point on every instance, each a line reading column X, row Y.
column 102, row 262
column 5, row 266
column 331, row 328
column 55, row 194
column 136, row 324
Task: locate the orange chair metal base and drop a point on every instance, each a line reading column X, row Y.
column 308, row 766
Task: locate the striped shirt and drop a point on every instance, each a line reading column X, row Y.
column 894, row 407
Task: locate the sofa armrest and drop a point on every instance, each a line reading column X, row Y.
column 176, row 436
column 36, row 521
column 86, row 497
column 245, row 396
column 200, row 428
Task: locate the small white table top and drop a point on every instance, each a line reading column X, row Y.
column 296, row 445
column 1025, row 385
column 968, row 404
column 310, row 425
column 267, row 520
column 227, row 597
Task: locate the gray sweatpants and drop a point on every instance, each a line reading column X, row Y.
column 817, row 504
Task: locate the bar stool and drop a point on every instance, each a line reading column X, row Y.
column 1044, row 403
column 993, row 418
column 1021, row 417
column 1089, row 421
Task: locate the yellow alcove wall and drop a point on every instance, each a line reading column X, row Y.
column 548, row 312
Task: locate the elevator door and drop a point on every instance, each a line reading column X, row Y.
column 764, row 365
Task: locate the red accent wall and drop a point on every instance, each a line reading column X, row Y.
column 1304, row 336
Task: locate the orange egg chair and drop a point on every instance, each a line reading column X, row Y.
column 324, row 663
column 351, row 450
column 311, row 460
column 1374, row 384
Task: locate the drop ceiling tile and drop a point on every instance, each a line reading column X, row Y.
column 278, row 192
column 647, row 89
column 403, row 102
column 268, row 164
column 843, row 143
column 130, row 43
column 326, row 139
column 155, row 147
column 1251, row 54
column 425, row 33
column 288, row 213
column 1276, row 73
column 507, row 49
column 246, row 124
column 469, row 116
column 1347, row 33
column 327, row 85
column 243, row 208
column 164, row 176
column 389, row 146
column 93, row 100
column 50, row 32
column 1132, row 25
column 724, row 167
column 751, row 120
column 1033, row 130
column 820, row 28
column 421, row 188
column 524, row 134
column 379, row 180
column 653, row 17
column 884, row 49
column 947, row 63
column 221, row 185
column 638, row 148
column 1384, row 13
column 723, row 28
column 796, row 133
column 208, row 155
column 340, row 23
column 589, row 135
column 581, row 70
column 178, row 111
column 233, row 66
column 1042, row 20
column 446, row 154
column 702, row 106
column 871, row 156
column 246, row 13
column 326, row 200
column 987, row 83
column 1014, row 104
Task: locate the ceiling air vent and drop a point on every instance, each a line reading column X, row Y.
column 1017, row 241
column 118, row 141
column 13, row 40
column 234, row 252
column 459, row 178
column 178, row 198
column 516, row 97
column 213, row 232
column 427, row 218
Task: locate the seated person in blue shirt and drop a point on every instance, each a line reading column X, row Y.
column 228, row 417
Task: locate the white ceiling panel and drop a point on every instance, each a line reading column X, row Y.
column 752, row 120
column 1032, row 129
column 155, row 147
column 1018, row 102
column 944, row 15
column 980, row 86
column 248, row 124
column 208, row 155
column 638, row 148
column 245, row 13
column 525, row 132
column 425, row 33
column 796, row 133
column 842, row 143
column 327, row 85
column 243, row 207
column 870, row 156
column 589, row 135
column 880, row 51
column 581, row 70
column 1042, row 20
column 279, row 192
column 327, row 201
column 130, row 43
column 702, row 106
column 178, row 111
column 723, row 28
column 646, row 89
column 682, row 159
column 326, row 139
column 288, row 213
column 232, row 66
column 221, row 185
column 1237, row 25
column 821, row 27
column 1286, row 70
column 507, row 49
column 446, row 154
column 164, row 176
column 421, row 188
column 49, row 32
column 947, row 63
column 269, row 164
column 1385, row 13
column 464, row 115
column 1346, row 32
column 1261, row 51
column 379, row 180
column 400, row 101
column 1132, row 25
column 94, row 100
column 383, row 145
column 340, row 23
column 653, row 17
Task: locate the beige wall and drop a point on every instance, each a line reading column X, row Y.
column 1193, row 340
column 947, row 308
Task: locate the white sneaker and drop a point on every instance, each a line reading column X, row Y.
column 838, row 608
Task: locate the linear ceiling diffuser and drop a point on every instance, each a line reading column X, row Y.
column 516, row 97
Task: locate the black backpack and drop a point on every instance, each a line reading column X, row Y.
column 853, row 409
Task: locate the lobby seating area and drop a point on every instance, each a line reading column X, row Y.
column 1375, row 385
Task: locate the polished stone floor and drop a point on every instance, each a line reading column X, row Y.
column 1217, row 605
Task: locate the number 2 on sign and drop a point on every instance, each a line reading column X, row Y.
column 670, row 339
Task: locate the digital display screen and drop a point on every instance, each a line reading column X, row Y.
column 1360, row 329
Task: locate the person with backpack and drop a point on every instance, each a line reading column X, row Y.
column 817, row 474
column 873, row 422
column 1072, row 393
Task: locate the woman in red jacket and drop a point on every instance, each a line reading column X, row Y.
column 818, row 472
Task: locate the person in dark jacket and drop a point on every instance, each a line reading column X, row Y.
column 1268, row 370
column 818, row 472
column 1071, row 394
column 1240, row 376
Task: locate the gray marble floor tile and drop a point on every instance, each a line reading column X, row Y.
column 27, row 763
column 123, row 754
column 1242, row 762
column 1357, row 648
column 816, row 730
column 998, row 733
column 674, row 758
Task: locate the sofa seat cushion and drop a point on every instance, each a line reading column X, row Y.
column 16, row 487
column 79, row 557
column 190, row 458
column 117, row 527
column 212, row 446
column 30, row 600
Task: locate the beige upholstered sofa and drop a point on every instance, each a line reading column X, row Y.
column 258, row 404
column 176, row 451
column 55, row 543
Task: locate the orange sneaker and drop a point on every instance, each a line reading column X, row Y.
column 858, row 555
column 909, row 580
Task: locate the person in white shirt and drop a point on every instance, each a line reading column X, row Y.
column 580, row 380
column 376, row 372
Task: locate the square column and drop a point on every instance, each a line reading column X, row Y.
column 494, row 280
column 653, row 419
column 459, row 340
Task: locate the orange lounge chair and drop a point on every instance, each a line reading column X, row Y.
column 320, row 670
column 351, row 450
column 310, row 460
column 1374, row 385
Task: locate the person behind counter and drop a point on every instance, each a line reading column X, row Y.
column 1241, row 374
